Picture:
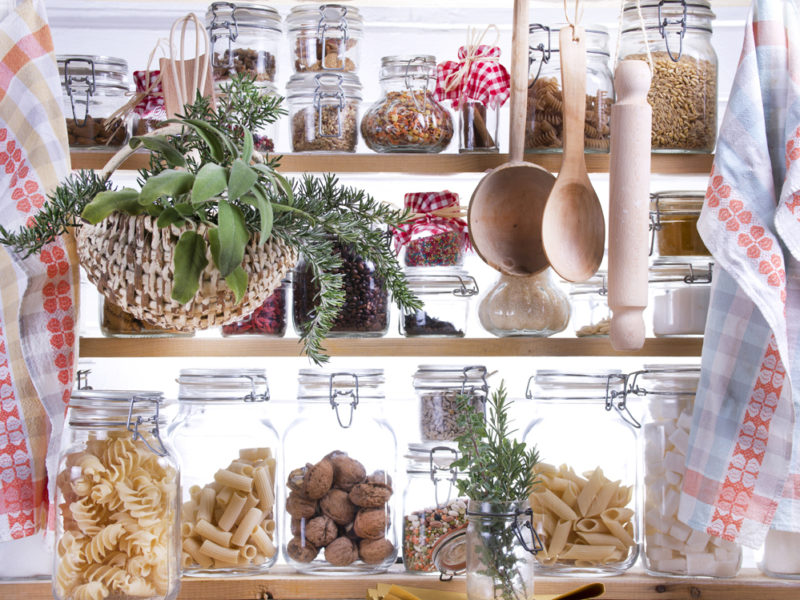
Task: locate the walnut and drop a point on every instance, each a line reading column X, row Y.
column 346, row 471
column 380, row 478
column 299, row 506
column 336, row 505
column 371, row 523
column 297, row 526
column 341, row 552
column 370, row 495
column 373, row 552
column 318, row 479
column 295, row 480
column 300, row 551
column 321, row 531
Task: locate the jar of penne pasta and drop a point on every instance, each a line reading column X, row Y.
column 585, row 499
column 228, row 449
column 117, row 499
column 339, row 461
column 670, row 546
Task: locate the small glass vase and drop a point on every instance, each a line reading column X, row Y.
column 501, row 549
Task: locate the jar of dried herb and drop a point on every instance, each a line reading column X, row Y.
column 673, row 224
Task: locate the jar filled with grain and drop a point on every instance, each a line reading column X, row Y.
column 95, row 89
column 673, row 224
column 323, row 108
column 446, row 294
column 325, row 37
column 680, row 294
column 591, row 316
column 544, row 128
column 676, row 36
column 438, row 388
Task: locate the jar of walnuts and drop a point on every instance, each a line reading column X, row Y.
column 325, row 37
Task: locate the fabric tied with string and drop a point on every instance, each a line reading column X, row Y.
column 426, row 221
column 477, row 75
column 148, row 88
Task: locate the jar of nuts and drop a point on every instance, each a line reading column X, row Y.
column 340, row 501
column 675, row 35
column 407, row 117
column 438, row 388
column 589, row 301
column 323, row 108
column 544, row 129
column 325, row 37
column 244, row 39
column 95, row 89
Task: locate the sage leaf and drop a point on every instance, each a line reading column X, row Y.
column 247, row 150
column 170, row 184
column 169, row 216
column 237, row 281
column 233, row 237
column 189, row 262
column 125, row 200
column 264, row 212
column 212, row 139
column 160, row 144
column 184, row 209
column 241, row 180
column 211, row 180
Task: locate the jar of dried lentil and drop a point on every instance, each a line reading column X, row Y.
column 94, row 90
column 438, row 388
column 365, row 312
column 673, row 224
column 591, row 316
column 244, row 39
column 325, row 37
column 683, row 91
column 446, row 294
column 407, row 118
column 323, row 108
column 544, row 129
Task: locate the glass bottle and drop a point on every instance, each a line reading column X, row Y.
column 683, row 91
column 269, row 319
column 673, row 224
column 446, row 295
column 438, row 388
column 591, row 316
column 339, row 499
column 117, row 499
column 544, row 127
column 325, row 37
column 228, row 449
column 680, row 293
column 407, row 117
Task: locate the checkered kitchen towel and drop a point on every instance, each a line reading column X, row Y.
column 38, row 294
column 743, row 467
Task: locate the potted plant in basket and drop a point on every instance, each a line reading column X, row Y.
column 214, row 227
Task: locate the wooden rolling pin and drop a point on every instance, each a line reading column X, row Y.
column 629, row 204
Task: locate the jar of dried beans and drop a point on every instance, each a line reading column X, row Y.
column 445, row 294
column 438, row 388
column 244, row 39
column 673, row 224
column 268, row 319
column 323, row 108
column 544, row 128
column 589, row 301
column 95, row 89
column 407, row 118
column 676, row 36
column 325, row 37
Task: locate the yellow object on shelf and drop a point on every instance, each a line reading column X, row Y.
column 385, row 591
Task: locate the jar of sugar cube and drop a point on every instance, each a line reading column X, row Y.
column 670, row 546
column 680, row 296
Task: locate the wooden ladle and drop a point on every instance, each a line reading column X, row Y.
column 573, row 227
column 505, row 211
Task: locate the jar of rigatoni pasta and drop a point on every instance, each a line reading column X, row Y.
column 585, row 502
column 117, row 500
column 228, row 449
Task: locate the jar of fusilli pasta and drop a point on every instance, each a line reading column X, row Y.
column 544, row 128
column 227, row 447
column 117, row 500
column 585, row 504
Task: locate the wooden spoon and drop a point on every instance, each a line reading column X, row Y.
column 573, row 227
column 505, row 211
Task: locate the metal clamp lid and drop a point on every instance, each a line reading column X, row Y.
column 323, row 91
column 657, row 211
column 351, row 393
column 618, row 400
column 70, row 80
column 632, row 386
column 535, row 546
column 423, row 80
column 442, row 283
column 333, row 17
column 435, row 468
column 134, row 424
column 258, row 384
column 696, row 272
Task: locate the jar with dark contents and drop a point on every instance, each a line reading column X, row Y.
column 268, row 319
column 365, row 312
column 407, row 118
column 94, row 89
column 673, row 224
column 446, row 294
column 325, row 37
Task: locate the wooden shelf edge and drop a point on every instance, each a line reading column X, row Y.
column 91, row 347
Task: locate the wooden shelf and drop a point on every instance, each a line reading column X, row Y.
column 254, row 346
column 422, row 164
column 632, row 586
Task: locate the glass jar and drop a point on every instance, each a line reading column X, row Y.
column 407, row 117
column 673, row 224
column 117, row 499
column 244, row 39
column 531, row 305
column 670, row 547
column 591, row 316
column 478, row 124
column 365, row 312
column 340, row 464
column 325, row 37
column 544, row 128
column 266, row 137
column 436, row 235
column 323, row 108
column 683, row 91
column 115, row 322
column 94, row 88
column 438, row 388
column 681, row 294
column 445, row 294
column 268, row 319
column 150, row 111
column 228, row 449
column 585, row 510
column 779, row 556
column 434, row 516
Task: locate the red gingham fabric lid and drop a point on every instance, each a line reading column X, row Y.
column 153, row 102
column 428, row 202
column 483, row 78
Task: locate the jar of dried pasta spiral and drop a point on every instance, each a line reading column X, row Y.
column 544, row 127
column 117, row 500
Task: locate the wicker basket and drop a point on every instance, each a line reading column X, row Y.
column 129, row 259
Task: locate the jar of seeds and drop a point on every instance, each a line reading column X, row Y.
column 676, row 36
column 325, row 37
column 438, row 388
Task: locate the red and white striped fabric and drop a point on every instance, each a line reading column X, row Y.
column 477, row 76
column 428, row 202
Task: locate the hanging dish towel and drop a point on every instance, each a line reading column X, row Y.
column 743, row 465
column 38, row 294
